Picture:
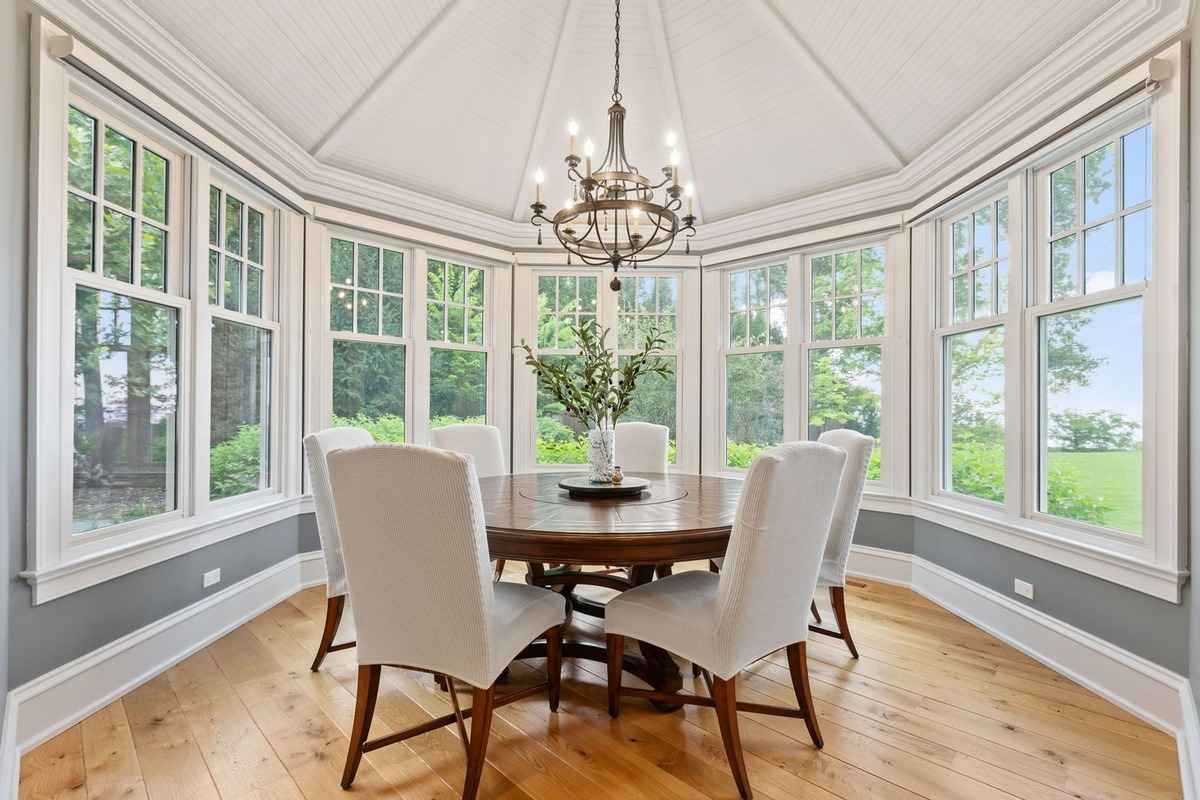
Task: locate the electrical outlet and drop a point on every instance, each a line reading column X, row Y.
column 212, row 577
column 1023, row 588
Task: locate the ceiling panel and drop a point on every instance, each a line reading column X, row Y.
column 302, row 63
column 772, row 99
column 945, row 57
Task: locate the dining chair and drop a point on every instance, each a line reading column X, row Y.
column 415, row 548
column 755, row 605
column 832, row 575
column 337, row 616
column 481, row 442
column 642, row 446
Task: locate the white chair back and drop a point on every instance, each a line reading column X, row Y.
column 858, row 448
column 770, row 571
column 316, row 447
column 481, row 442
column 415, row 546
column 642, row 446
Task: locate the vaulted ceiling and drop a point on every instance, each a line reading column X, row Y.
column 773, row 100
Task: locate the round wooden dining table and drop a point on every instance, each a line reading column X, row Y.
column 678, row 518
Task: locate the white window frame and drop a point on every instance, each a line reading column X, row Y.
column 686, row 353
column 58, row 562
column 894, row 392
column 1153, row 563
column 324, row 286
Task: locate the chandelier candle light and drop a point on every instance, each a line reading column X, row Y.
column 613, row 216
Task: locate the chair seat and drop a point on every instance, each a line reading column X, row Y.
column 677, row 613
column 520, row 614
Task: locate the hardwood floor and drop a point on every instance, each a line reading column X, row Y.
column 935, row 708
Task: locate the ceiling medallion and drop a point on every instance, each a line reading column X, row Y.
column 612, row 216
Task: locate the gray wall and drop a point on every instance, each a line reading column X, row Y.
column 1152, row 628
column 14, row 215
column 47, row 636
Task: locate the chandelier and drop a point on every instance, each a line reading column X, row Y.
column 613, row 217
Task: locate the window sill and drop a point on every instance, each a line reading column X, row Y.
column 191, row 534
column 1132, row 573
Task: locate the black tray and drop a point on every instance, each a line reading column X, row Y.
column 582, row 487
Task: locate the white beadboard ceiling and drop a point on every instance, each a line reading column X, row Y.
column 773, row 100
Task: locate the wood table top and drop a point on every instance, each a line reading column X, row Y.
column 680, row 517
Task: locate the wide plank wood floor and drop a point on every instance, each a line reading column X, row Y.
column 935, row 708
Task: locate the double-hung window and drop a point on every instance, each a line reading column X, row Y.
column 1093, row 264
column 648, row 305
column 456, row 330
column 124, row 291
column 565, row 300
column 370, row 340
column 844, row 350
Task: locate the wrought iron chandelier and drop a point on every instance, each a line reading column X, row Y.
column 613, row 216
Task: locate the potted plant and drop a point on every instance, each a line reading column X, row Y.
column 596, row 387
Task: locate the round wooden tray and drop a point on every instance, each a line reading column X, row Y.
column 580, row 486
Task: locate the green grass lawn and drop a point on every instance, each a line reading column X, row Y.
column 1115, row 476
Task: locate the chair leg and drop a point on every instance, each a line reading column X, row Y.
column 797, row 655
column 724, row 694
column 364, row 709
column 334, row 607
column 500, row 562
column 554, row 664
column 482, row 704
column 816, row 614
column 837, row 597
column 616, row 655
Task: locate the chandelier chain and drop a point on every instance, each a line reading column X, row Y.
column 616, row 95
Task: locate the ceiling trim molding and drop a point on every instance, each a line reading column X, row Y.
column 415, row 47
column 806, row 53
column 1110, row 45
column 666, row 64
column 554, row 82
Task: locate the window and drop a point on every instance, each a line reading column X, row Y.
column 845, row 347
column 126, row 402
column 979, row 261
column 241, row 307
column 370, row 337
column 456, row 308
column 975, row 270
column 1095, row 261
column 119, row 213
column 648, row 305
column 754, row 361
column 563, row 300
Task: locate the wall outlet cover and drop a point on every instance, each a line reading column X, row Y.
column 1023, row 588
column 212, row 577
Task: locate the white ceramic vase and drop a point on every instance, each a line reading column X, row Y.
column 601, row 452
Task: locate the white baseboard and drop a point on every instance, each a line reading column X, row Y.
column 51, row 703
column 1152, row 693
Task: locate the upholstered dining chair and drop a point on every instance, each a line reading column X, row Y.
column 642, row 446
column 415, row 548
column 481, row 442
column 338, row 618
column 757, row 604
column 832, row 576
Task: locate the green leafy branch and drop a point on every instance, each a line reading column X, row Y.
column 597, row 387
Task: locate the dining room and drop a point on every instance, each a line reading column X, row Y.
column 609, row 398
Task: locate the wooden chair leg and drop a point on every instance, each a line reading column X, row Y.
column 837, row 597
column 816, row 614
column 334, row 607
column 364, row 709
column 616, row 655
column 797, row 655
column 482, row 701
column 500, row 562
column 724, row 694
column 554, row 664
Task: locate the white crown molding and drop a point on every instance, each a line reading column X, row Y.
column 1119, row 37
